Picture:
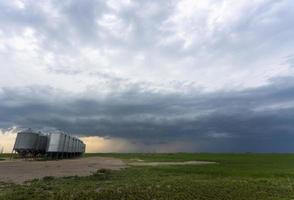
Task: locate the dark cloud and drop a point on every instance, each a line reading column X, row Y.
column 225, row 121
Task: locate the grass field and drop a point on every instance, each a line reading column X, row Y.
column 236, row 176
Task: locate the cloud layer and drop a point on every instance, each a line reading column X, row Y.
column 161, row 75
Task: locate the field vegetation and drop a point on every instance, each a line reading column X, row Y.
column 235, row 176
column 5, row 155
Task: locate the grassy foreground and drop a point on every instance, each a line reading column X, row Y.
column 236, row 176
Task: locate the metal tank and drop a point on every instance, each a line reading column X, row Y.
column 26, row 142
column 75, row 145
column 66, row 146
column 41, row 146
column 79, row 146
column 71, row 145
column 54, row 142
column 66, row 143
column 54, row 145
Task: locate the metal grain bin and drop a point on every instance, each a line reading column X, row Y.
column 42, row 143
column 71, row 144
column 66, row 144
column 79, row 146
column 56, row 142
column 74, row 145
column 55, row 145
column 26, row 141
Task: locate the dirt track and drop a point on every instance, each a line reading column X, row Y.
column 19, row 171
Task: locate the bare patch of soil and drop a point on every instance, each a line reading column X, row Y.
column 18, row 171
column 170, row 163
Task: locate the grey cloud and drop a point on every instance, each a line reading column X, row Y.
column 260, row 33
column 151, row 117
column 60, row 26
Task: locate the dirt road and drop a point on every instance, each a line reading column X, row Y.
column 18, row 171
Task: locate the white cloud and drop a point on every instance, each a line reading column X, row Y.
column 211, row 45
column 119, row 5
column 19, row 4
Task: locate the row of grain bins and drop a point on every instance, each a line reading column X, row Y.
column 53, row 145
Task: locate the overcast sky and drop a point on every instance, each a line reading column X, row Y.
column 191, row 75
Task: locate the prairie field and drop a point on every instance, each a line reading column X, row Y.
column 232, row 177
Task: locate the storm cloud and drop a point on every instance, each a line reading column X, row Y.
column 246, row 119
column 167, row 75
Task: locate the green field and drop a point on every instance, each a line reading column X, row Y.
column 236, row 176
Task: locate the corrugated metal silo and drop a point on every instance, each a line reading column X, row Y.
column 41, row 146
column 26, row 141
column 54, row 145
column 56, row 142
column 71, row 145
column 75, row 145
column 66, row 143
